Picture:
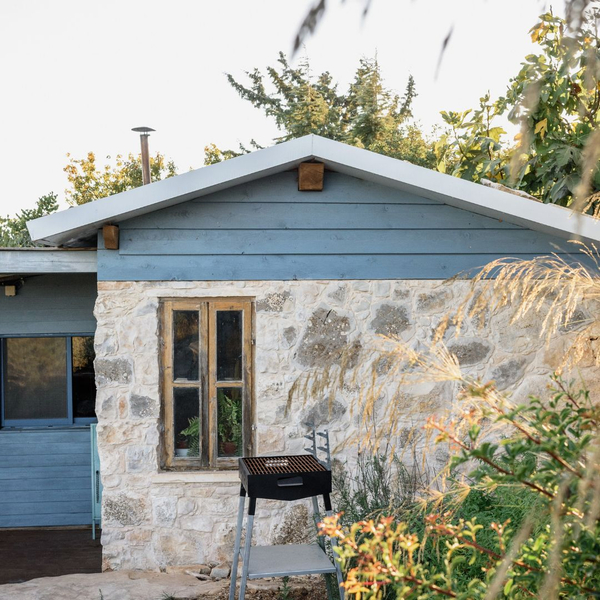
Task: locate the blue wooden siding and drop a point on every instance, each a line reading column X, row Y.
column 352, row 230
column 45, row 477
column 50, row 304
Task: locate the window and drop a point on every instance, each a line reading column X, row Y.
column 207, row 382
column 47, row 381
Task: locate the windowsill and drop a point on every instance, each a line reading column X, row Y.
column 169, row 477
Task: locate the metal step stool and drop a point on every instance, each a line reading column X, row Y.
column 284, row 478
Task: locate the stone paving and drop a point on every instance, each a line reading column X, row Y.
column 139, row 585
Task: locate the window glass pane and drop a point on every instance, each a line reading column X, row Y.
column 229, row 345
column 36, row 378
column 84, row 386
column 187, row 421
column 185, row 345
column 229, row 421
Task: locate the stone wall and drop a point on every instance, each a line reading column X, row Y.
column 153, row 519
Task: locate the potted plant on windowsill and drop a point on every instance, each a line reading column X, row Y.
column 229, row 425
column 191, row 438
column 181, row 447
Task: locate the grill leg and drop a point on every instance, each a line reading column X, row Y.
column 238, row 539
column 321, row 542
column 338, row 569
column 246, row 559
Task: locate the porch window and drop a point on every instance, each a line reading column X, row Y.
column 47, row 381
column 207, row 382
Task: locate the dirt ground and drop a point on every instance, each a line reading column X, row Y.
column 31, row 553
column 301, row 589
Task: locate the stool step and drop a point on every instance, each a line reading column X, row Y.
column 288, row 559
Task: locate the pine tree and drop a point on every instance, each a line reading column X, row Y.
column 369, row 115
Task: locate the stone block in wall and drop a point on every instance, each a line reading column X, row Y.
column 111, row 371
column 270, row 440
column 143, row 407
column 122, row 510
column 164, row 511
column 141, row 459
column 470, row 352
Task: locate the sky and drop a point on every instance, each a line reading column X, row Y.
column 78, row 75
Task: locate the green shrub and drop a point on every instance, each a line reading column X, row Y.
column 528, row 527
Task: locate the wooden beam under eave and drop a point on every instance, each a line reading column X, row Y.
column 110, row 235
column 310, row 176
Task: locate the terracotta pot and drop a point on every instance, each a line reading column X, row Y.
column 230, row 448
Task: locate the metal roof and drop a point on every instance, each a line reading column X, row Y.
column 70, row 227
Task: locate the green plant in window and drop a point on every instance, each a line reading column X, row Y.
column 229, row 424
column 192, row 436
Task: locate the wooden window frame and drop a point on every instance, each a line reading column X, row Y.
column 207, row 381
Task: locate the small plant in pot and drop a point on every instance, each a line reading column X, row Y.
column 229, row 426
column 181, row 446
column 191, row 438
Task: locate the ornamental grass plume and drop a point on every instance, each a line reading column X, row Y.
column 551, row 287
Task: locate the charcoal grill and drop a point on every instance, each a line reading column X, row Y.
column 284, row 478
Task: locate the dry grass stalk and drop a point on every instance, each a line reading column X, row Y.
column 551, row 583
column 548, row 286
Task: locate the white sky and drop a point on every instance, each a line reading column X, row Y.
column 77, row 75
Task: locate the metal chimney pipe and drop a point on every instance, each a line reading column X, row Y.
column 144, row 134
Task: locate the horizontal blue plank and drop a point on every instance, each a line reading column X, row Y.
column 39, row 301
column 42, row 485
column 365, row 241
column 47, row 508
column 49, row 449
column 263, row 215
column 43, row 472
column 54, row 315
column 52, row 520
column 32, row 496
column 50, row 460
column 112, row 267
column 338, row 188
column 41, row 327
column 44, row 436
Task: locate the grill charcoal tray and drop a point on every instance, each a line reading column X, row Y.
column 284, row 477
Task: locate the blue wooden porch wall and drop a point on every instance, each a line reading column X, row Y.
column 50, row 304
column 269, row 230
column 45, row 473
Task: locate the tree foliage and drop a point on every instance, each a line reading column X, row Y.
column 13, row 230
column 90, row 182
column 368, row 115
column 555, row 101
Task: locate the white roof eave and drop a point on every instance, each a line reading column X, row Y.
column 80, row 222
